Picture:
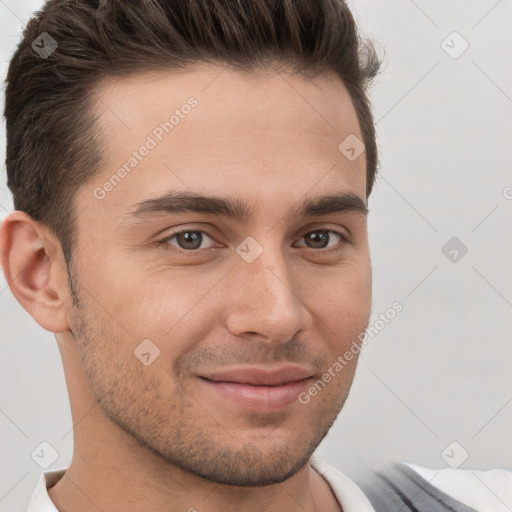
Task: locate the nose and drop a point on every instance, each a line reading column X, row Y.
column 265, row 299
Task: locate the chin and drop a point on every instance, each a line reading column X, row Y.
column 249, row 469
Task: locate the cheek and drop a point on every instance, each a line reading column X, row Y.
column 171, row 311
column 342, row 300
column 143, row 301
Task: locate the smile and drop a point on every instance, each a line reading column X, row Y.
column 258, row 389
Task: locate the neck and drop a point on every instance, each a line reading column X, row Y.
column 134, row 479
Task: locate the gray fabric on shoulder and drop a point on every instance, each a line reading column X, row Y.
column 399, row 488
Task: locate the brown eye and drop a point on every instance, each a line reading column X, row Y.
column 317, row 239
column 322, row 238
column 187, row 240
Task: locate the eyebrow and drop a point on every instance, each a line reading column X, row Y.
column 173, row 202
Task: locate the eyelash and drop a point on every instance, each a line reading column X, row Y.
column 165, row 241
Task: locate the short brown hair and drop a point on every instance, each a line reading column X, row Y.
column 52, row 142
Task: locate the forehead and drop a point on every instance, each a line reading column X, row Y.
column 209, row 128
column 131, row 99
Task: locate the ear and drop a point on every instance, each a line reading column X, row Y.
column 34, row 266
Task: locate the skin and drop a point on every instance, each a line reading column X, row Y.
column 155, row 437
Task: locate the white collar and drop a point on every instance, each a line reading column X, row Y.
column 346, row 491
column 40, row 501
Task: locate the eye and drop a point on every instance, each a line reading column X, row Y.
column 191, row 240
column 188, row 240
column 322, row 238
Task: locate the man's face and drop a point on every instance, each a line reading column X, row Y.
column 240, row 315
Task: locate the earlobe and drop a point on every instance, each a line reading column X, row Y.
column 35, row 270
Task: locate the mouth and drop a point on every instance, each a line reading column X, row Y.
column 257, row 388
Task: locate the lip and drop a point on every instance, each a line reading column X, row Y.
column 259, row 389
column 258, row 376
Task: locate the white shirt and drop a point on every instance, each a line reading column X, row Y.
column 485, row 491
column 346, row 491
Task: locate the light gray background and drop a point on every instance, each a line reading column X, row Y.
column 440, row 371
